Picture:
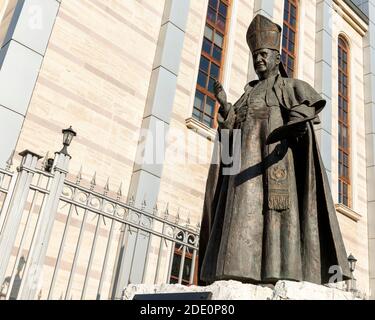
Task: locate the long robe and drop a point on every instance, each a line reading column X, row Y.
column 274, row 219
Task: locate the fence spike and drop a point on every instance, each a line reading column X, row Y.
column 198, row 225
column 61, row 296
column 144, row 204
column 106, row 187
column 9, row 162
column 40, row 294
column 131, row 201
column 79, row 176
column 178, row 216
column 119, row 192
column 166, row 212
column 155, row 209
column 188, row 219
column 93, row 182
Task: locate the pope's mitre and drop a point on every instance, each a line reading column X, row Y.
column 263, row 34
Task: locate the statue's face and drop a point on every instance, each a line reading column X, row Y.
column 266, row 62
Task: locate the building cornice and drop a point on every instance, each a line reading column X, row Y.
column 358, row 11
column 351, row 14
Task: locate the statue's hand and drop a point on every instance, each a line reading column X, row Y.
column 300, row 130
column 221, row 97
column 220, row 94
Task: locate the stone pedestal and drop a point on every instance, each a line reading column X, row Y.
column 234, row 290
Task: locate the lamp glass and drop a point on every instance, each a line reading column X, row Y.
column 352, row 262
column 68, row 135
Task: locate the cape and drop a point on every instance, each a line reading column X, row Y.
column 298, row 97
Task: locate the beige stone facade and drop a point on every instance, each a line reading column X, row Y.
column 95, row 76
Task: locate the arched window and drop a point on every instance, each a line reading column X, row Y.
column 288, row 54
column 211, row 62
column 343, row 123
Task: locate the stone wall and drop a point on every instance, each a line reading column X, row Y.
column 95, row 77
column 234, row 290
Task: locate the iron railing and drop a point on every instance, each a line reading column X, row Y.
column 61, row 240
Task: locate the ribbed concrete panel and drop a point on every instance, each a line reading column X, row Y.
column 369, row 57
column 145, row 182
column 323, row 79
column 34, row 24
column 19, row 71
column 25, row 37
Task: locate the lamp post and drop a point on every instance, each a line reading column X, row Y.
column 38, row 250
column 352, row 264
column 68, row 135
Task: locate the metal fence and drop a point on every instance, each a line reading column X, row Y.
column 61, row 240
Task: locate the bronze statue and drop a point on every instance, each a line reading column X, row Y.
column 275, row 219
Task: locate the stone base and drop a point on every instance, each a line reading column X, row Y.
column 235, row 290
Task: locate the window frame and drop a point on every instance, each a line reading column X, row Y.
column 285, row 52
column 206, row 93
column 343, row 45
